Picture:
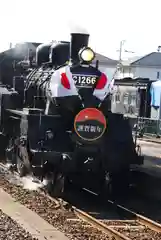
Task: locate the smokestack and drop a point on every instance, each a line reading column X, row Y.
column 78, row 41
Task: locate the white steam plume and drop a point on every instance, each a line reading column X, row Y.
column 76, row 28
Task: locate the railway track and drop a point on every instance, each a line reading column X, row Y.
column 78, row 224
column 138, row 227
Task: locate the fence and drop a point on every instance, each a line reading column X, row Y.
column 146, row 127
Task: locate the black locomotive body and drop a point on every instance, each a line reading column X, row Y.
column 58, row 124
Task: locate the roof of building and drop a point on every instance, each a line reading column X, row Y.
column 149, row 60
column 152, row 59
column 105, row 60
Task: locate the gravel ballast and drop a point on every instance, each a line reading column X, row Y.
column 66, row 220
column 62, row 219
column 10, row 230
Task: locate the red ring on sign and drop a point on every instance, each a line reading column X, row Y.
column 88, row 114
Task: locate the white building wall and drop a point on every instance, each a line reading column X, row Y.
column 146, row 72
column 135, row 71
column 126, row 72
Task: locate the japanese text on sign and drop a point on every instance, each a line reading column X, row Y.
column 89, row 128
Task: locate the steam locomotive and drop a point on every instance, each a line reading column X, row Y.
column 57, row 121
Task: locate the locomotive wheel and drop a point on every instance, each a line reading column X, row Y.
column 22, row 161
column 117, row 185
column 21, row 169
column 57, row 185
column 10, row 156
column 120, row 184
column 106, row 186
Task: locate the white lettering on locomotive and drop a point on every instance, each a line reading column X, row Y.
column 57, row 90
column 89, row 128
column 93, row 129
column 99, row 129
column 85, row 81
column 86, row 128
column 80, row 128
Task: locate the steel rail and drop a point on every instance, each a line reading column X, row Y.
column 113, row 234
column 141, row 219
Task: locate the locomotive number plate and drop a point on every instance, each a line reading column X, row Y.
column 90, row 124
column 84, row 81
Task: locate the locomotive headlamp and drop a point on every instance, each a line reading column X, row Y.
column 86, row 54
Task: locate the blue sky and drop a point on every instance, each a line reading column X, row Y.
column 107, row 21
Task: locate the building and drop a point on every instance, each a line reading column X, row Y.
column 106, row 65
column 148, row 66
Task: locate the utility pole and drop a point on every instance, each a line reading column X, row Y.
column 159, row 48
column 120, row 54
column 158, row 73
column 120, row 50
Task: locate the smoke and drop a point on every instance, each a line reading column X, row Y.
column 76, row 28
column 31, row 184
column 27, row 182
